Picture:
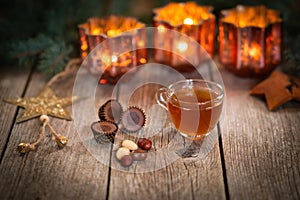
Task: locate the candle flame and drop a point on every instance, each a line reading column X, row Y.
column 113, row 32
column 110, row 26
column 141, row 43
column 84, row 54
column 161, row 29
column 257, row 16
column 188, row 21
column 254, row 51
column 188, row 13
column 95, row 31
column 182, row 46
column 143, row 60
column 114, row 58
column 84, row 47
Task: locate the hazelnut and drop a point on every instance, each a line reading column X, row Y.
column 145, row 144
column 126, row 161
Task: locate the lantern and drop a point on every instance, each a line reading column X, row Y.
column 196, row 22
column 124, row 50
column 250, row 40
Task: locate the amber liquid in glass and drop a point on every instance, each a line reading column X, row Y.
column 189, row 117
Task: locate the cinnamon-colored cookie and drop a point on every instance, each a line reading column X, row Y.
column 274, row 88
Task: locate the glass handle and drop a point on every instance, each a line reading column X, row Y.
column 161, row 97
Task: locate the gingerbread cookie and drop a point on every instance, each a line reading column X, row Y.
column 275, row 89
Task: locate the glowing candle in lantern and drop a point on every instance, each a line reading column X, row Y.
column 110, row 60
column 113, row 33
column 254, row 51
column 114, row 59
column 188, row 21
column 182, row 46
column 95, row 31
column 161, row 29
column 196, row 22
column 250, row 40
column 143, row 60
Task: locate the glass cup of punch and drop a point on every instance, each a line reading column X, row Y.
column 194, row 106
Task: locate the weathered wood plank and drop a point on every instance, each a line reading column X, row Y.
column 261, row 147
column 190, row 178
column 51, row 173
column 12, row 84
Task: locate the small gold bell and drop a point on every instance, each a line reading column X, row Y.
column 61, row 141
column 23, row 148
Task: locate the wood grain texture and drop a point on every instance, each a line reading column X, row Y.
column 12, row 84
column 50, row 173
column 189, row 178
column 261, row 147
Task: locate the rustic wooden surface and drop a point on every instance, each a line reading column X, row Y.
column 256, row 157
column 261, row 148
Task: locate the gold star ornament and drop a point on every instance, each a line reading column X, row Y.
column 45, row 103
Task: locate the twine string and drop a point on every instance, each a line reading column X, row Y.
column 71, row 66
column 42, row 134
column 53, row 132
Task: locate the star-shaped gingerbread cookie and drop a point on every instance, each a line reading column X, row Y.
column 275, row 88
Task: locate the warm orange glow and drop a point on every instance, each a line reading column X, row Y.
column 112, row 33
column 141, row 43
column 125, row 63
column 188, row 21
column 161, row 29
column 183, row 13
column 103, row 81
column 84, row 54
column 250, row 40
column 143, row 60
column 254, row 51
column 257, row 16
column 106, row 60
column 84, row 47
column 111, row 26
column 182, row 46
column 95, row 31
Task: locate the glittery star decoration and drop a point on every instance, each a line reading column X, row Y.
column 45, row 103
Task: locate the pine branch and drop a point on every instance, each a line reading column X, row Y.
column 292, row 57
column 26, row 51
column 54, row 59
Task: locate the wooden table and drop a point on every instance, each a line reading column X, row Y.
column 257, row 155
